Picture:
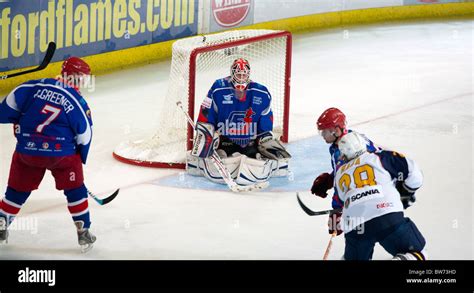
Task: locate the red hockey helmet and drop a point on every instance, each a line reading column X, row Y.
column 75, row 66
column 332, row 118
column 240, row 73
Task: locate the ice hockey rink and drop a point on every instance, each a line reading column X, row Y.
column 407, row 86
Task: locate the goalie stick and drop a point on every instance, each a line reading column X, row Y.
column 216, row 160
column 310, row 212
column 47, row 58
column 105, row 200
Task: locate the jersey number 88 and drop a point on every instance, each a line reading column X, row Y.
column 363, row 176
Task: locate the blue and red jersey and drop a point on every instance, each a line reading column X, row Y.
column 50, row 118
column 241, row 120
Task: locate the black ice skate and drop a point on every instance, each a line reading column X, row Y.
column 3, row 231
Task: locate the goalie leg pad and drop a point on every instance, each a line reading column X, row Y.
column 204, row 167
column 282, row 169
column 192, row 165
column 253, row 171
column 210, row 171
column 206, row 140
column 197, row 167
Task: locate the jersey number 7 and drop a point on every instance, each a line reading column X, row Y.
column 54, row 113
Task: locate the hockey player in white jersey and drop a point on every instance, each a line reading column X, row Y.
column 236, row 121
column 375, row 189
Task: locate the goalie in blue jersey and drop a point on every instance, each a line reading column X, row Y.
column 236, row 121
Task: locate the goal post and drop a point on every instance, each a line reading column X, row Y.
column 196, row 63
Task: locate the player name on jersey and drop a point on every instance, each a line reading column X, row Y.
column 54, row 97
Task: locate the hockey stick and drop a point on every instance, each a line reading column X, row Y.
column 105, row 200
column 216, row 160
column 47, row 58
column 328, row 248
column 310, row 212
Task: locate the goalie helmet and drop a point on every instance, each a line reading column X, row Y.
column 332, row 118
column 352, row 145
column 240, row 73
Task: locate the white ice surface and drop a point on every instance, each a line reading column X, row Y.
column 415, row 81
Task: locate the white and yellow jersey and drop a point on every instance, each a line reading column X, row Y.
column 366, row 186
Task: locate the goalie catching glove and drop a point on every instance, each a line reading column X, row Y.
column 206, row 140
column 272, row 148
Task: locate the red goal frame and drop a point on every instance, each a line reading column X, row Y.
column 192, row 97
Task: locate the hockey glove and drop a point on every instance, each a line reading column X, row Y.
column 205, row 141
column 407, row 195
column 334, row 223
column 272, row 149
column 322, row 184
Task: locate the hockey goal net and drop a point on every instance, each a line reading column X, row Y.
column 196, row 63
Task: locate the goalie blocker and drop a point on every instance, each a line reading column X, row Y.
column 261, row 159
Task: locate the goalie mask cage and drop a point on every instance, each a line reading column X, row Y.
column 196, row 63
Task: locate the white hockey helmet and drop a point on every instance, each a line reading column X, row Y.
column 352, row 145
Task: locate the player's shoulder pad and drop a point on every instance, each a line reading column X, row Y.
column 31, row 84
column 260, row 91
column 28, row 84
column 257, row 86
column 389, row 153
column 221, row 82
column 394, row 162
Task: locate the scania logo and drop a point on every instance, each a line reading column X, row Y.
column 358, row 196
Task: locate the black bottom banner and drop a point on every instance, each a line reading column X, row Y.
column 80, row 275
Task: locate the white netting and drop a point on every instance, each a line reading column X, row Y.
column 267, row 61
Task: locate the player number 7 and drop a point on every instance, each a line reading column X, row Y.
column 54, row 114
